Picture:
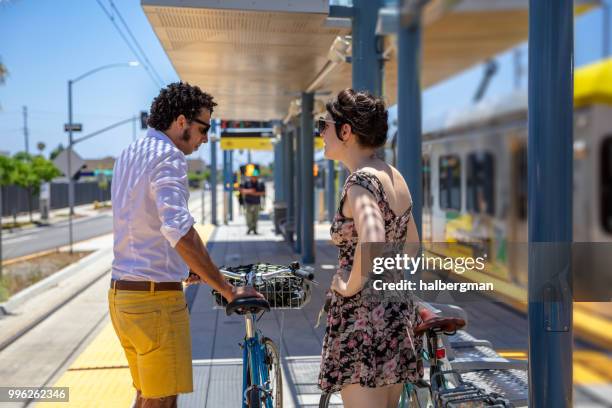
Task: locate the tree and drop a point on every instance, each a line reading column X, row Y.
column 30, row 172
column 55, row 152
column 41, row 146
column 7, row 175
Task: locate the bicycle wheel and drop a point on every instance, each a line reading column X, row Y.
column 330, row 400
column 273, row 364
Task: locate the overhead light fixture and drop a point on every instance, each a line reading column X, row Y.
column 340, row 49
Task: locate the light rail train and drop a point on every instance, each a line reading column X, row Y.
column 475, row 179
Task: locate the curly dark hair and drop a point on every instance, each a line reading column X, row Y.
column 176, row 99
column 365, row 113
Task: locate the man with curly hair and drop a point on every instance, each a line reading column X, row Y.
column 155, row 246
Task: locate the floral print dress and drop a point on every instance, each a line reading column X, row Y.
column 368, row 341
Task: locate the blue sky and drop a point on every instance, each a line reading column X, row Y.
column 45, row 43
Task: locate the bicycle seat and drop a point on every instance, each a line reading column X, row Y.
column 443, row 324
column 247, row 305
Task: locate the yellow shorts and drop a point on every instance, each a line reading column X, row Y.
column 153, row 328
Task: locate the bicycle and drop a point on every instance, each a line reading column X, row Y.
column 445, row 389
column 283, row 288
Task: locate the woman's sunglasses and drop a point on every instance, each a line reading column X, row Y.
column 206, row 126
column 322, row 124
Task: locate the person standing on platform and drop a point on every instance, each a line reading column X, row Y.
column 252, row 190
column 155, row 246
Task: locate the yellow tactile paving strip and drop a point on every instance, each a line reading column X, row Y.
column 100, row 376
column 590, row 367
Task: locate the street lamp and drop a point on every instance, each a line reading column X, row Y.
column 70, row 129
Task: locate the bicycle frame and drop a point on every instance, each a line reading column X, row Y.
column 253, row 363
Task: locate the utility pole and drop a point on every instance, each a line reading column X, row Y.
column 0, row 231
column 25, row 129
column 134, row 128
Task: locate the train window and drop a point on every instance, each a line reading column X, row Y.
column 480, row 177
column 450, row 182
column 606, row 184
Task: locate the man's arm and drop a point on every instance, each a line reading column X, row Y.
column 169, row 187
column 191, row 248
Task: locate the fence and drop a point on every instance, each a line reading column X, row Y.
column 16, row 200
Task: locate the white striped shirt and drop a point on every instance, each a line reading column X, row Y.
column 150, row 215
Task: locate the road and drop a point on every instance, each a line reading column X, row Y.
column 38, row 239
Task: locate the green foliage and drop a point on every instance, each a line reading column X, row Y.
column 7, row 170
column 30, row 171
column 55, row 152
column 197, row 177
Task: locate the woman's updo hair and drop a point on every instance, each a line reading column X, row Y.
column 365, row 113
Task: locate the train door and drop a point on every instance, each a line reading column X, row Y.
column 427, row 230
column 517, row 216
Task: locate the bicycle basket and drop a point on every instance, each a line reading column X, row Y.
column 282, row 291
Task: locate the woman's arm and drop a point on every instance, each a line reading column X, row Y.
column 370, row 227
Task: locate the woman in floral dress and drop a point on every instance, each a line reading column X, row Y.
column 369, row 349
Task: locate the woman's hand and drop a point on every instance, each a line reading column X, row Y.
column 339, row 285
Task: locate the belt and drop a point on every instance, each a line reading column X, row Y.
column 145, row 285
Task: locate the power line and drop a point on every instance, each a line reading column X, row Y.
column 112, row 19
column 127, row 28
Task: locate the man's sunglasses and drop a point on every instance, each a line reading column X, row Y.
column 206, row 126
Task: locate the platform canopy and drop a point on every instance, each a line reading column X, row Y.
column 256, row 56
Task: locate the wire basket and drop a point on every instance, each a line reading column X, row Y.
column 283, row 291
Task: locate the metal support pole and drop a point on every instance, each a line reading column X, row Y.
column 367, row 62
column 409, row 161
column 550, row 155
column 289, row 178
column 202, row 198
column 279, row 175
column 69, row 175
column 298, row 192
column 307, row 181
column 225, row 187
column 330, row 186
column 213, row 182
column 230, row 170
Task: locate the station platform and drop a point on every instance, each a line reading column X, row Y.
column 492, row 352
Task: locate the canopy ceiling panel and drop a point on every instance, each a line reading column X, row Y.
column 253, row 62
column 255, row 56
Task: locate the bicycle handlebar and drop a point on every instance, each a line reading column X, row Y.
column 298, row 272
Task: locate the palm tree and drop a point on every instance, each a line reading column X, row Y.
column 3, row 73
